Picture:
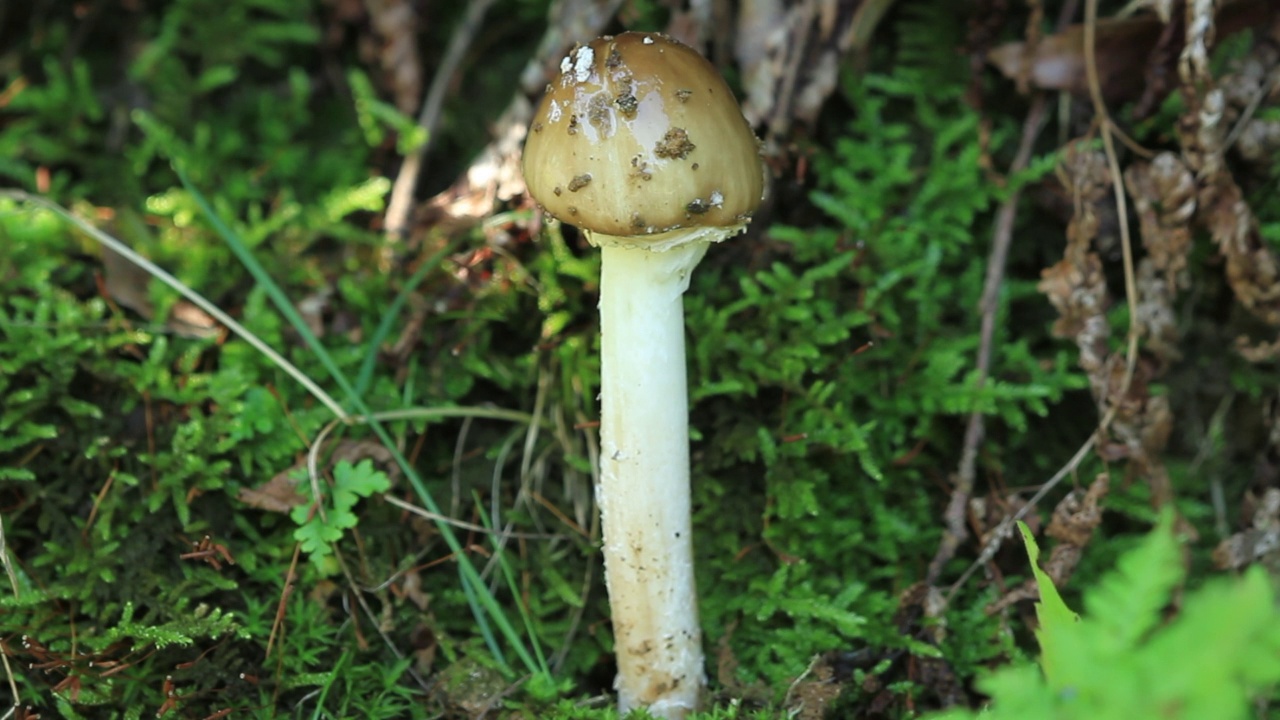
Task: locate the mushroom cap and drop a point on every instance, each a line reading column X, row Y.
column 639, row 136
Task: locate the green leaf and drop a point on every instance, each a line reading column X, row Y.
column 1057, row 622
column 316, row 535
column 1126, row 604
column 350, row 483
column 1117, row 663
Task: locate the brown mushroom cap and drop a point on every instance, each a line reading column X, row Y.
column 638, row 136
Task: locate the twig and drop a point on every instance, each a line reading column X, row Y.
column 1117, row 183
column 406, row 183
column 1107, row 129
column 1002, row 238
column 277, row 625
column 966, row 471
column 1005, row 528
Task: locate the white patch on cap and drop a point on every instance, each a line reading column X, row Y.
column 582, row 64
column 565, row 64
column 717, row 200
column 648, row 40
column 553, row 114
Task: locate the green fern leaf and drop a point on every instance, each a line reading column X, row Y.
column 1057, row 634
column 1125, row 605
column 1226, row 644
column 1118, row 662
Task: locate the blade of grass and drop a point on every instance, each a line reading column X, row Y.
column 483, row 625
column 477, row 594
column 196, row 298
column 329, row 681
column 481, row 600
column 509, row 575
column 365, row 375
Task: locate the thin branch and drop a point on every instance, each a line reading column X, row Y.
column 1117, row 184
column 1005, row 528
column 401, row 203
column 955, row 513
column 1002, row 238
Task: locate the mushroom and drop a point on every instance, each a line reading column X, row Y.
column 640, row 143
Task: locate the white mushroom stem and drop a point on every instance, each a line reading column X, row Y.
column 644, row 475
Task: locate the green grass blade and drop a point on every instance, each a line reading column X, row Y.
column 512, row 586
column 478, row 594
column 329, row 682
column 365, row 375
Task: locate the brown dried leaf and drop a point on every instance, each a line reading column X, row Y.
column 1155, row 320
column 1253, row 80
column 412, row 588
column 1252, row 267
column 1086, row 177
column 1077, row 516
column 1057, row 62
column 1164, row 195
column 1079, row 293
column 921, row 613
column 1258, row 352
column 1259, row 141
column 1076, row 286
column 1253, row 270
column 279, row 494
column 353, row 451
column 128, row 285
column 1074, row 520
column 814, row 692
column 425, row 646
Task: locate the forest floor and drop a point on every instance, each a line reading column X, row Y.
column 299, row 387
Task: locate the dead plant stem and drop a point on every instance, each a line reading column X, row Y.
column 1002, row 238
column 1117, row 182
column 401, row 203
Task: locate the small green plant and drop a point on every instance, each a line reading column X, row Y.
column 317, row 530
column 1119, row 661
